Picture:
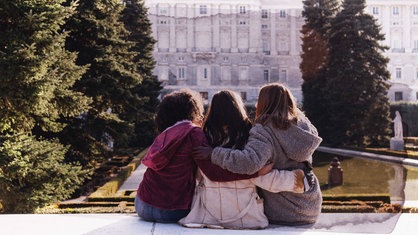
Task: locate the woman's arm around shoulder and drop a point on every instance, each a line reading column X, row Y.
column 282, row 180
column 256, row 153
column 212, row 171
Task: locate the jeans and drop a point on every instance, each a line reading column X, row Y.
column 154, row 214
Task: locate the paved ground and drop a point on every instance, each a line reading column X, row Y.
column 133, row 181
column 126, row 224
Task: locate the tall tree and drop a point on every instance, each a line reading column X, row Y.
column 135, row 17
column 37, row 75
column 98, row 34
column 357, row 79
column 318, row 15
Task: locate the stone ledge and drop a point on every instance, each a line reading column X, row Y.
column 98, row 224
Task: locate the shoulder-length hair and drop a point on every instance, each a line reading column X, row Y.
column 276, row 105
column 227, row 123
column 177, row 106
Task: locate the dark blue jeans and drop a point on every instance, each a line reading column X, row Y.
column 154, row 214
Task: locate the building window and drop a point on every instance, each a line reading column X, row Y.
column 203, row 9
column 181, row 58
column 415, row 10
column 242, row 22
column 375, row 11
column 283, row 75
column 282, row 14
column 266, row 47
column 266, row 75
column 264, row 14
column 396, row 44
column 205, row 95
column 415, row 44
column 226, row 58
column 398, row 73
column 242, row 10
column 416, row 95
column 163, row 22
column 205, row 73
column 181, row 74
column 398, row 96
column 283, row 47
column 244, row 95
column 226, row 73
column 395, row 10
column 416, row 73
column 163, row 74
column 163, row 11
column 264, row 26
column 243, row 73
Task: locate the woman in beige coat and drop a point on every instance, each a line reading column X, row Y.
column 234, row 204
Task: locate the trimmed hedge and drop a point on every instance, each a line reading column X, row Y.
column 112, row 199
column 348, row 209
column 111, row 187
column 87, row 210
column 384, row 198
column 93, row 204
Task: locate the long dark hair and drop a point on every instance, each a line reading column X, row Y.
column 177, row 106
column 226, row 123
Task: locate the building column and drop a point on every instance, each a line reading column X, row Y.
column 273, row 36
column 406, row 25
column 234, row 38
column 215, row 11
column 255, row 30
column 190, row 28
column 172, row 41
column 292, row 35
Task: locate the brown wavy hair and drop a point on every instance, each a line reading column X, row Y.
column 276, row 105
column 180, row 105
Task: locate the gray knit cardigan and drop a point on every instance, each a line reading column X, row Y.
column 287, row 149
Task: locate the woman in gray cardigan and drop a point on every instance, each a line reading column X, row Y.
column 283, row 135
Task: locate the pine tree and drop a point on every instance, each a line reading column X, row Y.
column 357, row 79
column 318, row 15
column 135, row 17
column 100, row 38
column 37, row 75
column 33, row 174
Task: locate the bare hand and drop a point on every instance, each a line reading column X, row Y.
column 202, row 152
column 265, row 169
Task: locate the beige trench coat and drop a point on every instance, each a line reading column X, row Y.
column 236, row 204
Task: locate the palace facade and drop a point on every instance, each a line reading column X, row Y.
column 210, row 45
column 399, row 22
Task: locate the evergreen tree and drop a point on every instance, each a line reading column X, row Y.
column 315, row 49
column 99, row 36
column 136, row 20
column 357, row 80
column 32, row 174
column 37, row 75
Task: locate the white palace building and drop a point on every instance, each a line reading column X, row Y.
column 210, row 45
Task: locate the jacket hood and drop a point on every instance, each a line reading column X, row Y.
column 300, row 141
column 166, row 145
